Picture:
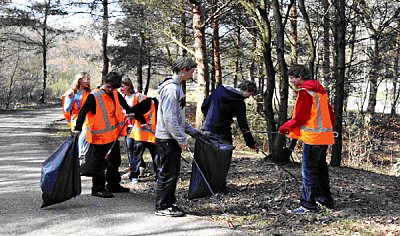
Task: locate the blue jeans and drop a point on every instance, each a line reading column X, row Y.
column 136, row 158
column 315, row 177
column 168, row 161
column 83, row 144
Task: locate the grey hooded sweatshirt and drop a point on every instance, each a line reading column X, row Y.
column 171, row 119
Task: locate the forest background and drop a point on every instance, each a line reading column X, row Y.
column 352, row 47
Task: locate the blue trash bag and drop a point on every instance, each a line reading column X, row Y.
column 61, row 178
column 213, row 157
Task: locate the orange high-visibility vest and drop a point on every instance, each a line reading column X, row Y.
column 318, row 128
column 104, row 126
column 146, row 135
column 72, row 115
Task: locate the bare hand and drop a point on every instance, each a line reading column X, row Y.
column 255, row 148
column 184, row 146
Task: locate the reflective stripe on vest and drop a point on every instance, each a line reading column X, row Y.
column 146, row 135
column 318, row 129
column 101, row 129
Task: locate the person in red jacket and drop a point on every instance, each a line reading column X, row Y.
column 312, row 122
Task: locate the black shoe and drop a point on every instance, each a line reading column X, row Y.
column 327, row 205
column 117, row 189
column 172, row 211
column 103, row 194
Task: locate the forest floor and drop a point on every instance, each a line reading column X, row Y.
column 259, row 193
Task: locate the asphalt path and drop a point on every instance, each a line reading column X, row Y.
column 21, row 158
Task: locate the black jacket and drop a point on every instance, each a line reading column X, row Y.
column 220, row 107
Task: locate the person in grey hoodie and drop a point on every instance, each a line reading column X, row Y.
column 170, row 136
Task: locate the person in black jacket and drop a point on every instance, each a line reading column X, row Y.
column 222, row 105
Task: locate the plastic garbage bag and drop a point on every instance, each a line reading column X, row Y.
column 60, row 178
column 214, row 159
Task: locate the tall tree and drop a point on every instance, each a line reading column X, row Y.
column 104, row 38
column 339, row 70
column 200, row 55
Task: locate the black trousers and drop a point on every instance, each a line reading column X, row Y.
column 168, row 162
column 106, row 170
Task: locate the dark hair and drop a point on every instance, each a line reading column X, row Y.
column 114, row 79
column 248, row 86
column 299, row 71
column 183, row 63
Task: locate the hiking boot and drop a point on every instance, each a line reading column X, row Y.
column 103, row 194
column 117, row 189
column 172, row 211
column 301, row 211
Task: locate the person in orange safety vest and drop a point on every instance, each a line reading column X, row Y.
column 105, row 124
column 140, row 130
column 72, row 101
column 312, row 122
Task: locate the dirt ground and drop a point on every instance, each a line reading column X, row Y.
column 259, row 193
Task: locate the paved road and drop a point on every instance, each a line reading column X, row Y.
column 21, row 156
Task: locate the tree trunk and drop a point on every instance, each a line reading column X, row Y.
column 396, row 92
column 340, row 57
column 280, row 41
column 310, row 39
column 237, row 60
column 183, row 35
column 293, row 34
column 201, row 60
column 140, row 62
column 373, row 79
column 44, row 51
column 104, row 40
column 216, row 50
column 326, row 71
column 146, row 89
column 8, row 99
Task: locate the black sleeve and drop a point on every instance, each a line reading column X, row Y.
column 244, row 126
column 140, row 109
column 88, row 106
column 205, row 105
column 124, row 104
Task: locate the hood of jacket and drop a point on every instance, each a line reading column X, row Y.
column 229, row 94
column 166, row 82
column 313, row 85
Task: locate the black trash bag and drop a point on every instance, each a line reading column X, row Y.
column 86, row 159
column 60, row 179
column 214, row 159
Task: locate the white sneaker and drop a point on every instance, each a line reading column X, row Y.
column 141, row 171
column 134, row 180
column 126, row 175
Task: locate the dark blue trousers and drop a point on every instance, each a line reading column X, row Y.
column 315, row 177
